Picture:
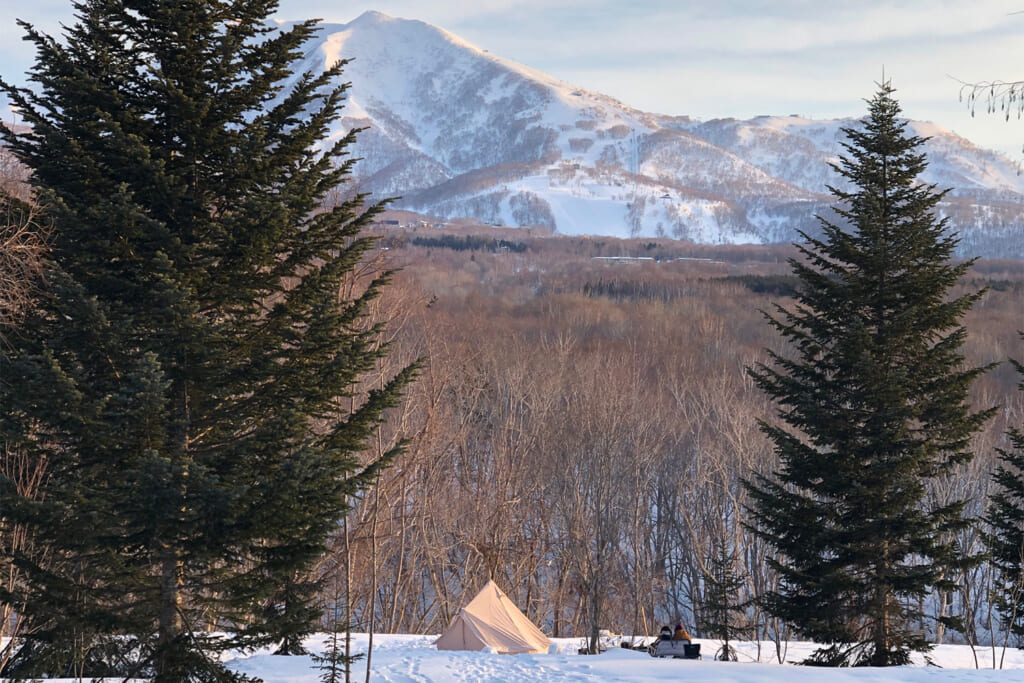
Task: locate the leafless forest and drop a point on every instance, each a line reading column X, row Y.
column 583, row 427
column 581, row 431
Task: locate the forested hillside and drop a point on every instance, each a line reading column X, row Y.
column 583, row 426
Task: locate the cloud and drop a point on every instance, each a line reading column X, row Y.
column 725, row 58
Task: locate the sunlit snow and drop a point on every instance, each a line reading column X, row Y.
column 413, row 659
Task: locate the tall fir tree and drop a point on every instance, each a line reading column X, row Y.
column 872, row 405
column 1005, row 520
column 187, row 377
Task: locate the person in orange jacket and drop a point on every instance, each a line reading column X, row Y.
column 681, row 634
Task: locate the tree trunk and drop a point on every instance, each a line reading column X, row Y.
column 170, row 625
column 880, row 657
column 595, row 624
column 373, row 570
column 348, row 602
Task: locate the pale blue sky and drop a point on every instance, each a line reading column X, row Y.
column 719, row 58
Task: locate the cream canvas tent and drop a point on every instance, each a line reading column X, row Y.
column 491, row 620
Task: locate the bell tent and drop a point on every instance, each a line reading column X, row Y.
column 492, row 620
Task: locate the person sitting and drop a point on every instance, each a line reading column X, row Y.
column 666, row 633
column 681, row 634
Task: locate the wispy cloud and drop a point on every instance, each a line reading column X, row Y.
column 723, row 58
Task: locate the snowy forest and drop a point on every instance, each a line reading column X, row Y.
column 239, row 406
column 568, row 402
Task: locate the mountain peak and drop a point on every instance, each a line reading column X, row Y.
column 372, row 17
column 458, row 131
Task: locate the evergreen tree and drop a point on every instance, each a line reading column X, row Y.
column 335, row 666
column 873, row 404
column 723, row 612
column 187, row 376
column 1005, row 518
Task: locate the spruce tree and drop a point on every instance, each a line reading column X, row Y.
column 1005, row 519
column 872, row 405
column 723, row 611
column 188, row 375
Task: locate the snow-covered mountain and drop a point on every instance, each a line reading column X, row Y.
column 456, row 131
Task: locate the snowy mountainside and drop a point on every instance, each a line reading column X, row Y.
column 782, row 147
column 457, row 131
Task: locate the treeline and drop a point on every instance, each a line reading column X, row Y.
column 469, row 243
column 633, row 289
column 778, row 285
column 765, row 258
column 636, row 290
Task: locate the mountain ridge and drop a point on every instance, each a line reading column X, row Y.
column 457, row 131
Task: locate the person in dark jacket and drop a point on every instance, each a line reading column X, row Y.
column 666, row 633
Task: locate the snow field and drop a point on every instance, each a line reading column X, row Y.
column 413, row 659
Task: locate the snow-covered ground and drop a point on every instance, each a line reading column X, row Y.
column 413, row 659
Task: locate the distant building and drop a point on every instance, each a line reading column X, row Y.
column 623, row 259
